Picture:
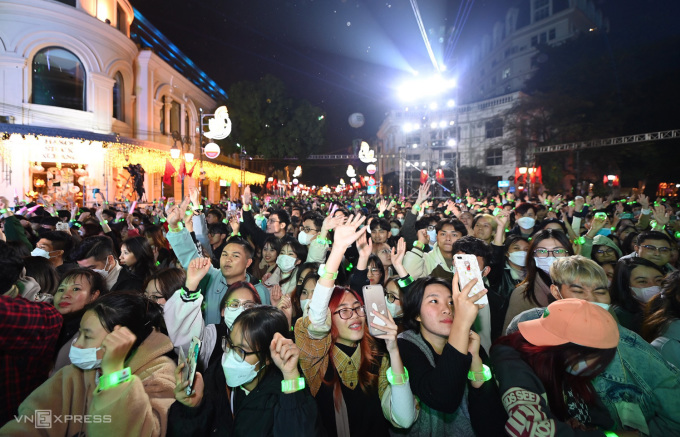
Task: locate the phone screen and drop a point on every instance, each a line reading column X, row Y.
column 467, row 268
column 192, row 358
column 374, row 299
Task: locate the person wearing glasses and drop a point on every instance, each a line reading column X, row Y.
column 605, row 250
column 160, row 286
column 183, row 319
column 636, row 281
column 354, row 384
column 255, row 389
column 546, row 246
column 656, row 247
column 311, row 226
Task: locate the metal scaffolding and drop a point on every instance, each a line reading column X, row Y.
column 627, row 139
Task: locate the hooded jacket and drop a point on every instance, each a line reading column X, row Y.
column 138, row 407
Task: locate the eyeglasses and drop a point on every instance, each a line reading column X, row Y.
column 557, row 253
column 347, row 313
column 307, row 229
column 391, row 297
column 373, row 271
column 657, row 250
column 155, row 297
column 605, row 251
column 273, row 221
column 241, row 353
column 430, row 228
column 235, row 304
column 384, row 251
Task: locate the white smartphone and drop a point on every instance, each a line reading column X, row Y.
column 374, row 299
column 192, row 358
column 468, row 269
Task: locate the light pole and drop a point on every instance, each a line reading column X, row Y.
column 175, row 153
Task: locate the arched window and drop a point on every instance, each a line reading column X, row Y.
column 118, row 98
column 58, row 79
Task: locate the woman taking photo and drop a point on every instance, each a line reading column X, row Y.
column 545, row 371
column 256, row 390
column 534, row 292
column 78, row 288
column 662, row 321
column 137, row 257
column 121, row 377
column 441, row 353
column 350, row 379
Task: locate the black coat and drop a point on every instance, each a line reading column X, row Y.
column 265, row 411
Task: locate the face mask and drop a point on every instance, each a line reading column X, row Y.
column 433, row 236
column 85, row 359
column 401, row 220
column 230, row 316
column 602, row 305
column 604, row 231
column 394, row 309
column 394, row 232
column 578, row 368
column 304, row 238
column 526, row 222
column 609, row 283
column 237, row 373
column 104, row 272
column 303, row 305
column 645, row 294
column 286, row 263
column 544, row 263
column 519, row 258
column 40, row 252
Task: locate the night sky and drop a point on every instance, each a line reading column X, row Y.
column 349, row 56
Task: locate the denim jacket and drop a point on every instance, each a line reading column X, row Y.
column 640, row 389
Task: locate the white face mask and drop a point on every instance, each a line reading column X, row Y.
column 645, row 294
column 394, row 232
column 602, row 305
column 394, row 309
column 544, row 263
column 237, row 373
column 304, row 238
column 105, row 272
column 526, row 222
column 85, row 359
column 518, row 258
column 40, row 252
column 303, row 305
column 286, row 263
column 230, row 315
column 433, row 236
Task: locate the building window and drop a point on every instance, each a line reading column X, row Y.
column 494, row 156
column 541, row 9
column 58, row 79
column 118, row 98
column 68, row 2
column 121, row 19
column 506, row 73
column 494, row 128
column 413, row 157
column 544, row 38
column 162, row 120
column 551, row 34
column 175, row 117
column 534, row 41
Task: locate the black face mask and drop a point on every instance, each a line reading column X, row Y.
column 295, row 219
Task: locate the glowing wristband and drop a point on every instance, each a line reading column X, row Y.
column 187, row 212
column 105, row 222
column 350, row 267
column 188, row 295
column 397, row 379
column 3, row 210
column 416, row 207
column 403, row 283
column 293, row 385
column 485, row 374
column 418, row 245
column 247, row 207
column 381, row 215
column 322, row 240
column 447, row 212
column 162, row 220
column 176, row 229
column 113, row 379
column 611, row 434
column 235, row 234
column 326, row 275
column 77, row 225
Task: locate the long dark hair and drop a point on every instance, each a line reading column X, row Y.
column 532, row 270
column 130, row 309
column 620, row 292
column 375, row 259
column 44, row 273
column 550, row 364
column 663, row 308
column 300, row 252
column 141, row 249
column 237, row 286
column 168, row 281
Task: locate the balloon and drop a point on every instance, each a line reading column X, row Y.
column 356, row 120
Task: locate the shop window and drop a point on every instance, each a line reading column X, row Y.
column 58, row 79
column 494, row 128
column 494, row 156
column 118, row 98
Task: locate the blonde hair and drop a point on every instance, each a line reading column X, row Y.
column 578, row 269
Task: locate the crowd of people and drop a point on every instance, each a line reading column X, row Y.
column 99, row 306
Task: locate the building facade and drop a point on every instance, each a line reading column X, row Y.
column 88, row 88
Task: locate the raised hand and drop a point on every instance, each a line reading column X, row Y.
column 116, row 346
column 644, row 201
column 235, row 224
column 661, row 216
column 502, row 219
column 347, row 234
column 275, row 294
column 364, row 246
column 196, row 396
column 390, row 329
column 423, row 192
column 247, row 197
column 579, row 202
column 382, row 206
column 330, row 222
column 198, row 268
column 397, row 254
column 285, row 355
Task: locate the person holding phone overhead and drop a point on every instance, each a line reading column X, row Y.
column 350, row 379
column 456, row 391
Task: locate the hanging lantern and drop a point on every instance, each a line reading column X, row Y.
column 80, row 171
column 211, row 150
column 82, row 180
column 371, row 168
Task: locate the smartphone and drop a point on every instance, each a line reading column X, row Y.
column 194, row 349
column 468, row 269
column 374, row 299
column 62, row 226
